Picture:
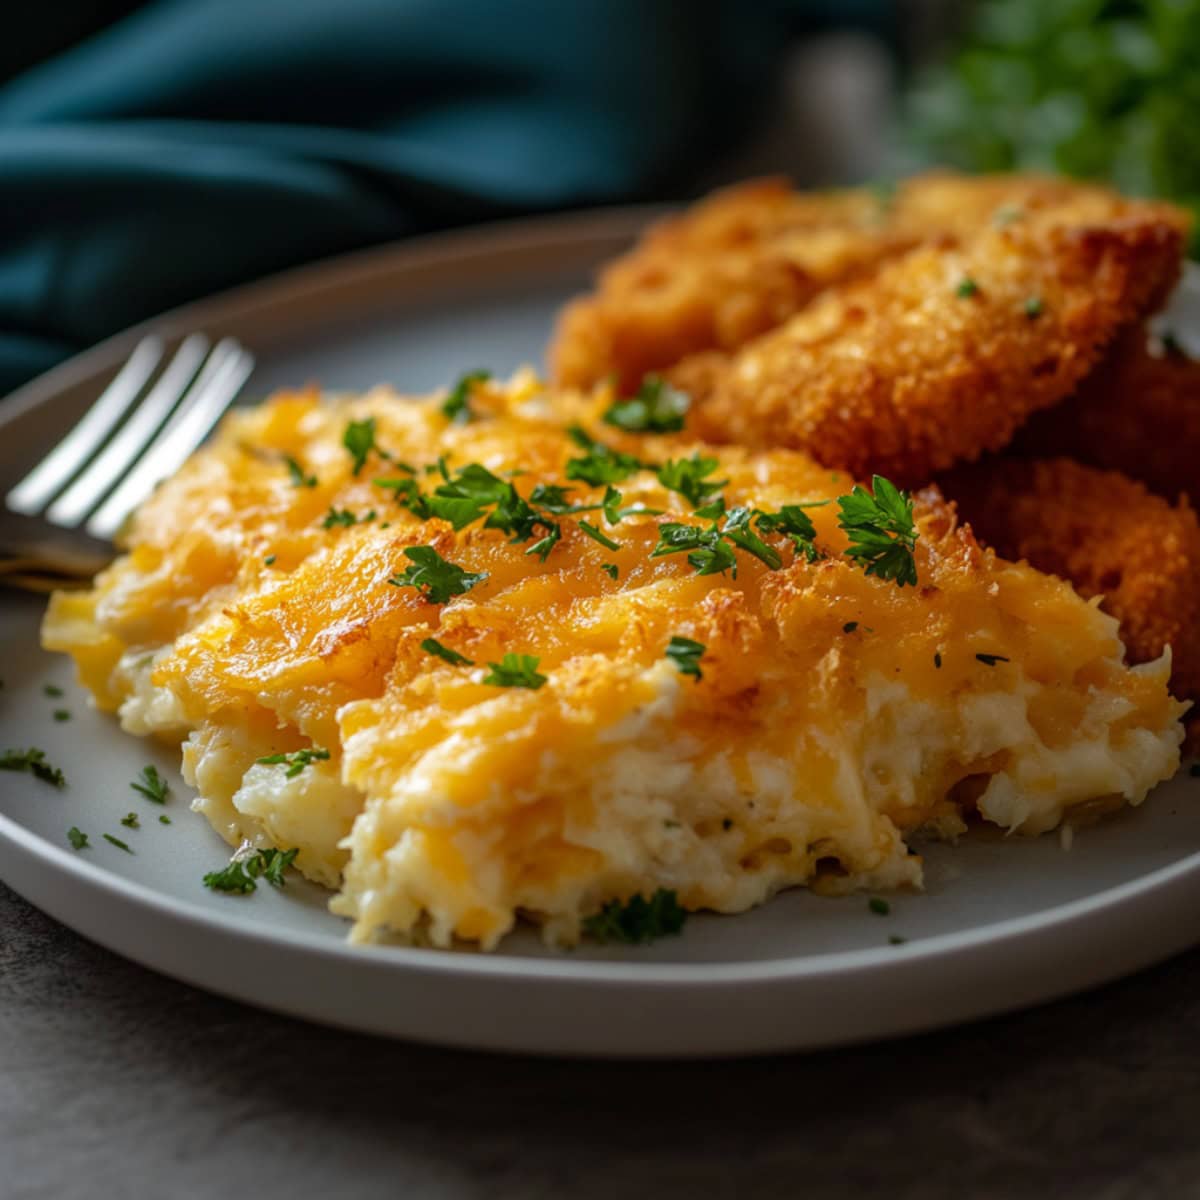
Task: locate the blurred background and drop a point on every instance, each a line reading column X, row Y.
column 155, row 152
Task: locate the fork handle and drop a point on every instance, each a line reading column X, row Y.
column 43, row 548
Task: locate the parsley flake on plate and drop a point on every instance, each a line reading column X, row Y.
column 637, row 920
column 434, row 647
column 457, row 404
column 78, row 839
column 130, row 821
column 967, row 287
column 116, row 841
column 53, row 691
column 359, row 440
column 436, row 578
column 881, row 530
column 879, row 906
column 611, row 570
column 296, row 760
column 1034, row 307
column 32, row 761
column 242, row 872
column 151, row 784
column 686, row 655
column 657, row 407
column 515, row 670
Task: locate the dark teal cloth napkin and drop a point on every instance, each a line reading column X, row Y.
column 196, row 144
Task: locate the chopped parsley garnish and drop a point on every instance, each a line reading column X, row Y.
column 408, row 495
column 689, row 478
column 881, row 530
column 515, row 670
column 990, row 660
column 792, row 521
column 1171, row 345
column 967, row 287
column 706, row 551
column 116, row 841
column 597, row 536
column 34, row 762
column 637, row 919
column 937, row 660
column 433, row 646
column 343, row 516
column 77, row 838
column 879, row 906
column 737, row 530
column 656, row 408
column 850, row 627
column 62, row 714
column 601, row 464
column 359, row 439
column 614, row 514
column 686, row 655
column 296, row 760
column 130, row 821
column 1034, row 307
column 553, row 499
column 457, row 406
column 434, row 577
column 53, row 691
column 269, row 561
column 241, row 873
column 163, row 819
column 151, row 784
column 611, row 570
column 896, row 940
column 299, row 478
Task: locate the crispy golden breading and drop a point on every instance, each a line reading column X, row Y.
column 745, row 259
column 1138, row 412
column 1105, row 533
column 738, row 264
column 948, row 349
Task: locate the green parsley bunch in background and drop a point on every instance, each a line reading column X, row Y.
column 1098, row 89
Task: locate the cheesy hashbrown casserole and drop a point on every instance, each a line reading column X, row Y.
column 566, row 686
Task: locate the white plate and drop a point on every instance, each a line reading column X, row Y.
column 1003, row 923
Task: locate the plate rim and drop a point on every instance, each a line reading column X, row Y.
column 25, row 852
column 791, row 968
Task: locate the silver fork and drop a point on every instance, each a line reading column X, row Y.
column 63, row 515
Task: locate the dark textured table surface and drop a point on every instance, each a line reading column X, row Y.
column 115, row 1082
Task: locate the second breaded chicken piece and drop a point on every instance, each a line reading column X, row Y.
column 947, row 350
column 1105, row 533
column 742, row 261
column 1138, row 412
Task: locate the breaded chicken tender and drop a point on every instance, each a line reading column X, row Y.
column 948, row 349
column 739, row 263
column 1138, row 412
column 744, row 260
column 1105, row 533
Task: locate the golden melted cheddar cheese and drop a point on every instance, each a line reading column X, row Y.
column 255, row 613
